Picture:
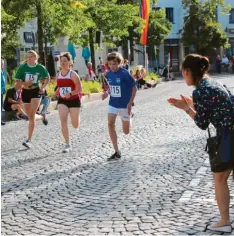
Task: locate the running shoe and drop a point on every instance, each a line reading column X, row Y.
column 45, row 120
column 3, row 123
column 24, row 117
column 27, row 144
column 67, row 148
column 16, row 117
column 115, row 156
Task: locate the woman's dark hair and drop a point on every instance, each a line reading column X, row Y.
column 197, row 64
column 68, row 56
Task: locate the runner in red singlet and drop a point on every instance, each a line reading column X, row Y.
column 69, row 87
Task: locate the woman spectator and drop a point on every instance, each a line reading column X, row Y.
column 143, row 73
column 90, row 76
column 140, row 80
column 212, row 103
column 125, row 64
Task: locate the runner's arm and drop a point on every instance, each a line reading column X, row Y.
column 76, row 79
column 45, row 82
column 134, row 90
column 21, row 83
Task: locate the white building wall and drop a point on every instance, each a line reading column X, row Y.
column 179, row 13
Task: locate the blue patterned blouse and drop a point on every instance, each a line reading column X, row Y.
column 213, row 105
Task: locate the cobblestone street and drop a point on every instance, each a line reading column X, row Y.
column 161, row 186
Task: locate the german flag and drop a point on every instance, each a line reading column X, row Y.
column 144, row 12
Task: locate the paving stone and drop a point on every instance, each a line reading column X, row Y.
column 45, row 192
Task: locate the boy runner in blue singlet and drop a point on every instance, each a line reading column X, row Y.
column 122, row 90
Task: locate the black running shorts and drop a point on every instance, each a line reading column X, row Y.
column 28, row 94
column 70, row 103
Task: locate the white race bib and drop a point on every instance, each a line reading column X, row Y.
column 31, row 77
column 64, row 90
column 115, row 91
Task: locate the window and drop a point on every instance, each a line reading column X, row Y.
column 170, row 15
column 28, row 37
column 156, row 8
column 231, row 16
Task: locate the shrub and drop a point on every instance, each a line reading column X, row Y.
column 50, row 88
column 88, row 87
column 152, row 76
column 91, row 87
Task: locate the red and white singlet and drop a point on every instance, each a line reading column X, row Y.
column 66, row 85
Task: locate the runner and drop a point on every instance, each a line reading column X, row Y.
column 69, row 87
column 29, row 75
column 122, row 93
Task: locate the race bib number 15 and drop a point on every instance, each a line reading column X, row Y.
column 31, row 77
column 64, row 90
column 115, row 91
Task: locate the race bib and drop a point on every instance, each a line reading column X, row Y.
column 115, row 91
column 31, row 77
column 64, row 90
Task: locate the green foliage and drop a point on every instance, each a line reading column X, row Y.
column 10, row 39
column 88, row 87
column 50, row 88
column 159, row 27
column 152, row 76
column 91, row 87
column 200, row 23
column 55, row 18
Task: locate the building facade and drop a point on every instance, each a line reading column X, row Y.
column 227, row 23
column 172, row 46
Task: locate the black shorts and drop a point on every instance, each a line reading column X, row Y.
column 28, row 94
column 70, row 103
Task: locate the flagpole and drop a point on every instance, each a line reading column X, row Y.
column 146, row 61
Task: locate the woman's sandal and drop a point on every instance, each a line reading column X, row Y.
column 222, row 229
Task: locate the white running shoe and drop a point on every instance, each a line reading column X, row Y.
column 27, row 144
column 67, row 148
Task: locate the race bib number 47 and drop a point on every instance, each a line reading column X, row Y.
column 31, row 77
column 64, row 90
column 115, row 91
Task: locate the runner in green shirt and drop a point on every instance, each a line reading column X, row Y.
column 34, row 79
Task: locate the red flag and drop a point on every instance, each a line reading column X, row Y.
column 145, row 10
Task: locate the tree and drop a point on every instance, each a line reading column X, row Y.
column 159, row 28
column 201, row 29
column 9, row 37
column 55, row 18
column 111, row 19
